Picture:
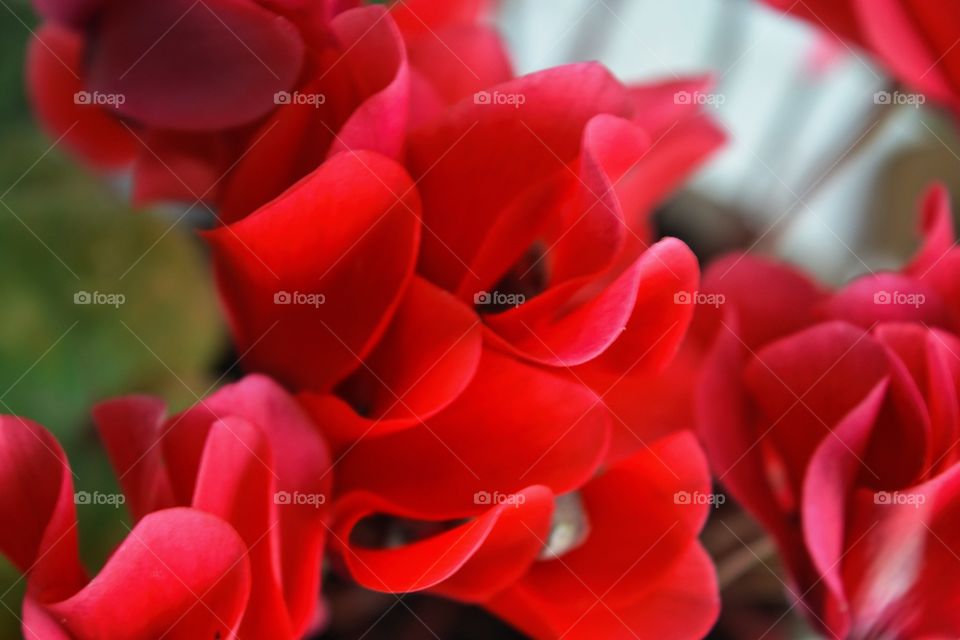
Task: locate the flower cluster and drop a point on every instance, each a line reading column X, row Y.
column 469, row 368
column 451, row 268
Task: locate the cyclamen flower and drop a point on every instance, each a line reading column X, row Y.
column 455, row 324
column 223, row 545
column 913, row 39
column 833, row 418
column 229, row 102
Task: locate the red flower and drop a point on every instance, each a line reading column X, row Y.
column 229, row 534
column 833, row 418
column 229, row 102
column 453, row 323
column 913, row 40
column 525, row 227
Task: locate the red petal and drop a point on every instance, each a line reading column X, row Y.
column 416, row 17
column 153, row 585
column 54, row 72
column 362, row 77
column 786, row 304
column 181, row 65
column 556, row 430
column 682, row 604
column 461, row 60
column 629, row 564
column 831, row 368
column 658, row 322
column 481, row 157
column 470, row 561
column 887, row 297
column 829, row 482
column 39, row 533
column 235, row 483
column 424, row 361
column 349, row 233
column 914, row 48
column 375, row 56
column 302, row 466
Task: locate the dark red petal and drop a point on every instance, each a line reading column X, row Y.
column 194, row 66
column 347, row 235
column 424, row 361
column 39, row 532
column 288, row 146
column 72, row 13
column 181, row 167
column 356, row 98
column 131, row 430
column 54, row 81
column 153, row 585
column 556, row 429
column 470, row 561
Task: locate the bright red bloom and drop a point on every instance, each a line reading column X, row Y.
column 833, row 418
column 373, row 287
column 229, row 535
column 914, row 39
column 377, row 284
column 231, row 101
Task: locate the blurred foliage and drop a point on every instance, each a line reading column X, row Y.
column 65, row 231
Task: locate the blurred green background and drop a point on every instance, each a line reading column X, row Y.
column 64, row 230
